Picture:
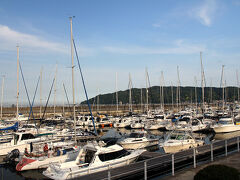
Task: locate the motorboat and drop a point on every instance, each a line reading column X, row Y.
column 42, row 160
column 122, row 123
column 225, row 125
column 92, row 158
column 138, row 140
column 21, row 141
column 178, row 141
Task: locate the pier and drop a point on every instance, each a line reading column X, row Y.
column 159, row 164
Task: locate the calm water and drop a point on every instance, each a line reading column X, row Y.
column 9, row 173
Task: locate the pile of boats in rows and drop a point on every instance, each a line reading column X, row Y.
column 64, row 158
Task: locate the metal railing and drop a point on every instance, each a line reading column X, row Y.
column 224, row 146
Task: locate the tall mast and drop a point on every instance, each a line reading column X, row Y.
column 117, row 93
column 63, row 109
column 222, row 85
column 40, row 107
column 146, row 90
column 98, row 100
column 141, row 101
column 172, row 93
column 178, row 89
column 237, row 85
column 17, row 79
column 211, row 98
column 195, row 79
column 202, row 82
column 54, row 101
column 73, row 90
column 2, row 94
column 161, row 91
column 130, row 93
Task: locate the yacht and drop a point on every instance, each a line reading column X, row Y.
column 92, row 158
column 41, row 160
column 122, row 123
column 21, row 141
column 178, row 141
column 225, row 125
column 138, row 140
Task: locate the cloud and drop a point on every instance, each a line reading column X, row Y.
column 157, row 25
column 9, row 38
column 205, row 12
column 177, row 47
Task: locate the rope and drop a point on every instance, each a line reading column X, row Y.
column 34, row 100
column 80, row 70
column 67, row 99
column 25, row 87
column 47, row 102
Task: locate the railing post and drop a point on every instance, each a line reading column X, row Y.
column 109, row 173
column 172, row 164
column 211, row 151
column 238, row 143
column 145, row 170
column 194, row 157
column 226, row 148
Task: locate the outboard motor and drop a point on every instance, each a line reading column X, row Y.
column 10, row 158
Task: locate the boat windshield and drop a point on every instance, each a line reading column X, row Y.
column 180, row 137
column 89, row 156
column 224, row 122
column 16, row 137
column 113, row 155
column 136, row 135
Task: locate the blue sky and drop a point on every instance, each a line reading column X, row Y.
column 123, row 36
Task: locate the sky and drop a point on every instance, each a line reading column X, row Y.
column 116, row 37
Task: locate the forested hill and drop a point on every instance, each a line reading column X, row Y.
column 187, row 95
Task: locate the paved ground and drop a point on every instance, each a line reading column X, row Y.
column 232, row 160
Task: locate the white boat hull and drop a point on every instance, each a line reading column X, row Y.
column 180, row 147
column 75, row 171
column 225, row 129
column 138, row 145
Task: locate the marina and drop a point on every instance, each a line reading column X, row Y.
column 121, row 90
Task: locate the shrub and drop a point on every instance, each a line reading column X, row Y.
column 217, row 172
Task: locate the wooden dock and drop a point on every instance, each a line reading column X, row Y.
column 159, row 164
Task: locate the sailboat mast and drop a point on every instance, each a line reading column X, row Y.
column 98, row 100
column 211, row 98
column 2, row 94
column 202, row 82
column 172, row 94
column 40, row 108
column 195, row 79
column 146, row 90
column 141, row 100
column 130, row 93
column 117, row 92
column 54, row 101
column 178, row 90
column 63, row 108
column 222, row 85
column 73, row 90
column 162, row 94
column 237, row 85
column 17, row 80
